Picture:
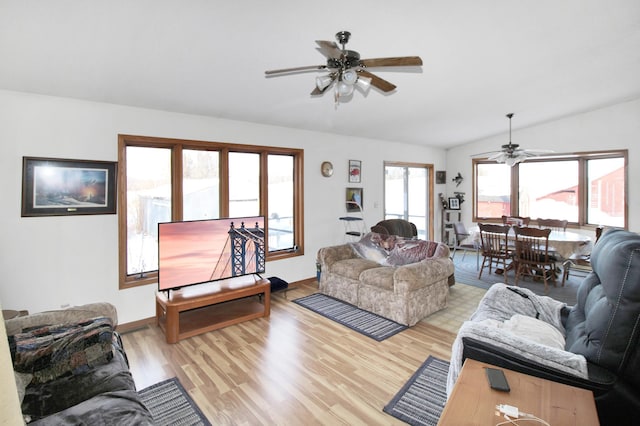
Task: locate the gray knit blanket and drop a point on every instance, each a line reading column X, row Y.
column 500, row 304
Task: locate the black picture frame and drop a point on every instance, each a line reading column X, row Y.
column 454, row 203
column 441, row 177
column 64, row 187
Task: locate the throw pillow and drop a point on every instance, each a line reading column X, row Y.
column 369, row 247
column 411, row 251
column 51, row 351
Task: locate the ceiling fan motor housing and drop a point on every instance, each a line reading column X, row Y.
column 349, row 59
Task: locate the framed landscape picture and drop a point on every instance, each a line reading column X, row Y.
column 60, row 187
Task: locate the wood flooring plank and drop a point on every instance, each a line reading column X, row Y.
column 294, row 367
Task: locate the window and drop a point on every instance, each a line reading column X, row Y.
column 165, row 180
column 583, row 188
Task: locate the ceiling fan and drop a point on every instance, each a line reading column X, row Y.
column 347, row 70
column 511, row 154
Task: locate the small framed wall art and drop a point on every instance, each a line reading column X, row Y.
column 60, row 187
column 454, row 203
column 355, row 171
column 441, row 177
column 354, row 199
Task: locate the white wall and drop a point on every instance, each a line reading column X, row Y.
column 48, row 262
column 613, row 127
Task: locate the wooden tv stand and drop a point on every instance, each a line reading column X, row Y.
column 205, row 307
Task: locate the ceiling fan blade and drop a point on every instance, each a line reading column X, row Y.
column 391, row 62
column 378, row 82
column 296, row 69
column 329, row 49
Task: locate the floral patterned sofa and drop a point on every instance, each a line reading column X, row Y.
column 404, row 280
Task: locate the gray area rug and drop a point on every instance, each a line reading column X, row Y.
column 466, row 273
column 422, row 399
column 170, row 404
column 364, row 322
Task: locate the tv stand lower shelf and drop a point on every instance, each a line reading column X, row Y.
column 186, row 313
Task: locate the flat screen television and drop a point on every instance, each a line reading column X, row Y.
column 200, row 251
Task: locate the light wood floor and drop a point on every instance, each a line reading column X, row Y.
column 293, row 368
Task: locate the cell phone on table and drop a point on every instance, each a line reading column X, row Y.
column 497, row 379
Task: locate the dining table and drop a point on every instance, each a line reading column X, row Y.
column 564, row 243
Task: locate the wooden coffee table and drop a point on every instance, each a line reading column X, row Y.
column 473, row 402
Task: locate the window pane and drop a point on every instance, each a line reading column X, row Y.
column 201, row 189
column 494, row 190
column 280, row 196
column 148, row 202
column 394, row 192
column 417, row 193
column 606, row 192
column 549, row 189
column 244, row 184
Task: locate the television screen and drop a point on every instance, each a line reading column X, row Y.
column 200, row 251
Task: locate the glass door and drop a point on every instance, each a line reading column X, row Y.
column 407, row 195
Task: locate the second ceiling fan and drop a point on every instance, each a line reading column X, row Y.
column 511, row 153
column 347, row 70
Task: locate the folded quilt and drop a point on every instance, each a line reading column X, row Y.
column 52, row 351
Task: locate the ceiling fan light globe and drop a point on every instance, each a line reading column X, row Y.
column 350, row 77
column 323, row 81
column 364, row 84
column 344, row 89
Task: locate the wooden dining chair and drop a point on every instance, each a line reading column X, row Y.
column 494, row 247
column 516, row 220
column 579, row 264
column 553, row 224
column 532, row 257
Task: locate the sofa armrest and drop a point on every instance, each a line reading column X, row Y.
column 63, row 316
column 420, row 274
column 327, row 256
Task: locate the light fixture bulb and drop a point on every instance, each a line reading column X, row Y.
column 364, row 84
column 344, row 89
column 323, row 81
column 350, row 77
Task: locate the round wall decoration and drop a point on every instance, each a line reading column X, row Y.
column 326, row 168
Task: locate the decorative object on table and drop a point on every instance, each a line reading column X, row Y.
column 511, row 154
column 454, row 203
column 355, row 170
column 422, row 399
column 170, row 404
column 364, row 322
column 458, row 179
column 347, row 70
column 443, row 201
column 459, row 196
column 441, row 177
column 61, row 187
column 326, row 168
column 354, row 195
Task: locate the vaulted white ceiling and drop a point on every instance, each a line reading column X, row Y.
column 542, row 59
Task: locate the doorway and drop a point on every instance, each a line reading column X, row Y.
column 408, row 189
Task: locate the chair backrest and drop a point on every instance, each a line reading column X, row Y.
column 460, row 230
column 493, row 239
column 532, row 245
column 603, row 324
column 553, row 224
column 516, row 220
column 399, row 227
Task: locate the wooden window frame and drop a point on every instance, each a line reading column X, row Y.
column 176, row 146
